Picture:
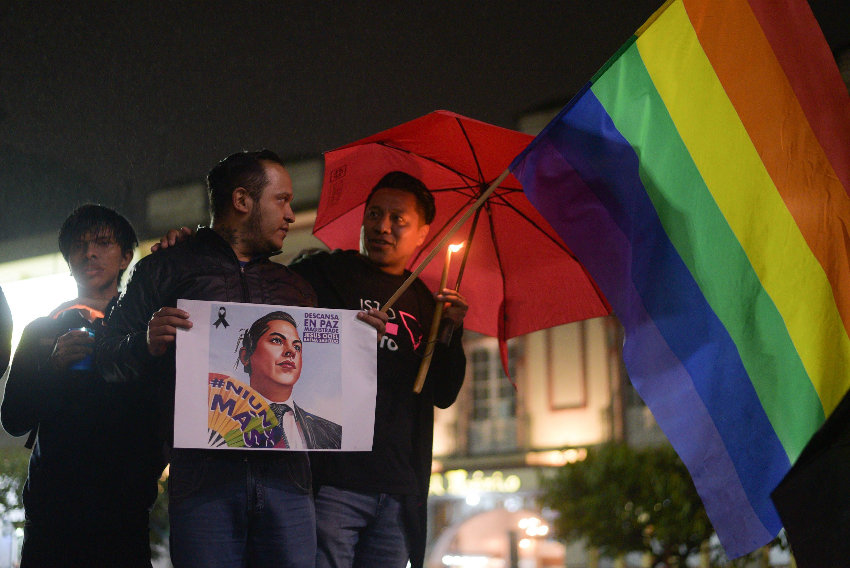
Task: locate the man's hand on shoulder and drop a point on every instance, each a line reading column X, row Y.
column 162, row 329
column 375, row 318
column 171, row 238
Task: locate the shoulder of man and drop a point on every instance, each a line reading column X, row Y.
column 317, row 421
column 314, row 258
column 45, row 329
column 278, row 279
column 187, row 255
column 201, row 240
column 321, row 264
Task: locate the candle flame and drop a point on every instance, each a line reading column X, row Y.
column 455, row 248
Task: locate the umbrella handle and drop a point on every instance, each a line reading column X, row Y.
column 429, row 349
column 475, row 206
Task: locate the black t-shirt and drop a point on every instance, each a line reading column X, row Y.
column 346, row 279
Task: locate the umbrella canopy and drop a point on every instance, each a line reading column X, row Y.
column 519, row 276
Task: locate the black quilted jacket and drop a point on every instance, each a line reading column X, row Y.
column 204, row 267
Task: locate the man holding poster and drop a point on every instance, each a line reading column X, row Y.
column 226, row 507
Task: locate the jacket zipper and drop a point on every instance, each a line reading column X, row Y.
column 244, row 283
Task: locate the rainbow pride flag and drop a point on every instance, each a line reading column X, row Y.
column 702, row 178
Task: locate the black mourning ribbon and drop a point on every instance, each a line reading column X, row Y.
column 222, row 311
column 279, row 410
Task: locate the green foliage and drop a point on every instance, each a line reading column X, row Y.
column 14, row 461
column 159, row 517
column 622, row 500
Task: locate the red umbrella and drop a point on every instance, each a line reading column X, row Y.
column 519, row 276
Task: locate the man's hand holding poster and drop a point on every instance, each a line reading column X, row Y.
column 274, row 377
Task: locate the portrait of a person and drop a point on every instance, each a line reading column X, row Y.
column 271, row 354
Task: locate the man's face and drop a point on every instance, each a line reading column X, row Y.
column 392, row 229
column 271, row 214
column 276, row 362
column 96, row 261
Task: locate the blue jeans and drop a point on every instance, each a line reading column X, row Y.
column 359, row 530
column 232, row 512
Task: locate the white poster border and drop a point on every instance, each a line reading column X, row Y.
column 351, row 403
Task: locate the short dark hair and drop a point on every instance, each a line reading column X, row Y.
column 97, row 219
column 251, row 338
column 242, row 169
column 412, row 185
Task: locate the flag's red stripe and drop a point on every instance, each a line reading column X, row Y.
column 804, row 55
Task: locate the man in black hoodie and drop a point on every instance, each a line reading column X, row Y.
column 94, row 468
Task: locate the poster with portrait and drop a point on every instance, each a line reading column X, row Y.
column 253, row 376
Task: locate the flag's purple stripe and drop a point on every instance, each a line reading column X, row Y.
column 611, row 267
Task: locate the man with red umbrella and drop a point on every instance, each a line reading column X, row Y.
column 371, row 506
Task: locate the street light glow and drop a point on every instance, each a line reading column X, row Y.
column 465, row 561
column 533, row 526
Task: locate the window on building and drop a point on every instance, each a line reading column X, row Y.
column 492, row 426
column 566, row 359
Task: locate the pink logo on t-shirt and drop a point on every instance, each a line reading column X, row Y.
column 413, row 328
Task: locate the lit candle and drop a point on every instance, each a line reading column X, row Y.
column 435, row 322
column 449, row 250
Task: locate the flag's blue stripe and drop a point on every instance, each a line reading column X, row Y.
column 590, row 142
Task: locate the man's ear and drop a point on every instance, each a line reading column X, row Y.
column 241, row 200
column 423, row 232
column 125, row 259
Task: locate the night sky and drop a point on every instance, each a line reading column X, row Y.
column 107, row 101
